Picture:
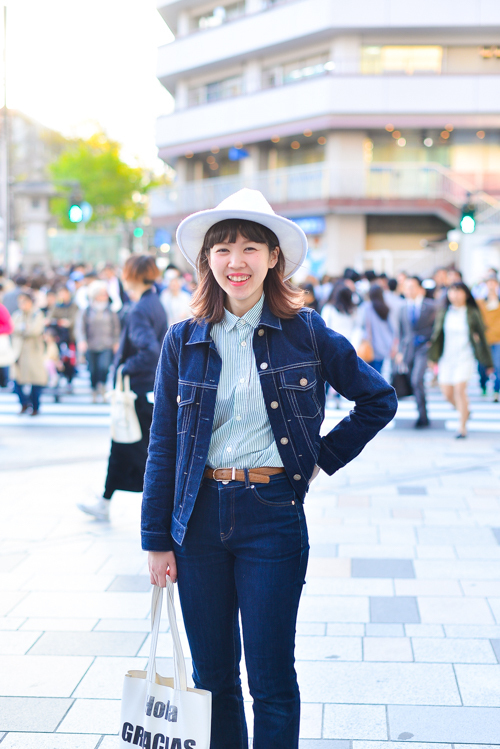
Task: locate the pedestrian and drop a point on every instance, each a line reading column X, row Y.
column 138, row 353
column 242, row 388
column 6, row 351
column 416, row 324
column 340, row 312
column 10, row 297
column 309, row 297
column 29, row 353
column 64, row 317
column 176, row 302
column 99, row 336
column 490, row 311
column 378, row 329
column 458, row 341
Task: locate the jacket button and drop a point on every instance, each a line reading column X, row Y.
column 303, row 382
column 263, row 365
column 178, row 399
column 261, row 331
column 274, row 404
column 297, row 476
column 284, row 440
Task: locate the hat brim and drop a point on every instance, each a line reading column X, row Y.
column 292, row 240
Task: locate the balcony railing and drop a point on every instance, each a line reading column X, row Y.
column 313, row 182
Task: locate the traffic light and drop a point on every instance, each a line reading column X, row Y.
column 468, row 220
column 75, row 213
column 138, row 232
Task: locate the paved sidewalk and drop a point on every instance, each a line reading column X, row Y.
column 399, row 628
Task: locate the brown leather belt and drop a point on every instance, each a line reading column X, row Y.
column 255, row 475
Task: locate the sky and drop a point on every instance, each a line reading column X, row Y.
column 77, row 65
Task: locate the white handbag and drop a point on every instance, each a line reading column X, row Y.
column 125, row 426
column 7, row 352
column 159, row 712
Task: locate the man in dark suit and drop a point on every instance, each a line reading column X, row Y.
column 416, row 323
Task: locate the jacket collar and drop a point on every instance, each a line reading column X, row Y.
column 201, row 330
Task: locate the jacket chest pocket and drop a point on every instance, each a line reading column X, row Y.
column 299, row 387
column 185, row 401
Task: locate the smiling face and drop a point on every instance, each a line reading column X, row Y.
column 240, row 268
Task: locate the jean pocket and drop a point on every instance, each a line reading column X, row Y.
column 278, row 493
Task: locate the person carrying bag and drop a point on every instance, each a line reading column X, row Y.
column 158, row 712
column 125, row 425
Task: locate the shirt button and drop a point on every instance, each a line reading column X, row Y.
column 263, row 365
column 303, row 382
column 242, row 380
column 261, row 331
column 297, row 476
column 284, row 440
column 238, row 418
column 243, row 343
column 274, row 404
column 228, row 449
column 178, row 399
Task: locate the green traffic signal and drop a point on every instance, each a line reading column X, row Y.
column 75, row 213
column 138, row 232
column 468, row 220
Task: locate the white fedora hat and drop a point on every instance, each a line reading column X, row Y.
column 252, row 206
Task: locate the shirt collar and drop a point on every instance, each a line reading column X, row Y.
column 251, row 317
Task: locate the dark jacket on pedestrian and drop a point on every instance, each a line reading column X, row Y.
column 141, row 341
column 414, row 336
column 477, row 337
column 294, row 359
column 100, row 328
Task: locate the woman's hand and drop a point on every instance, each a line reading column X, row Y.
column 161, row 564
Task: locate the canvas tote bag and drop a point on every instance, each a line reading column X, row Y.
column 125, row 426
column 159, row 712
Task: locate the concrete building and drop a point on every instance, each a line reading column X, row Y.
column 367, row 122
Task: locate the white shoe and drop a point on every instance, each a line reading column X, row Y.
column 100, row 509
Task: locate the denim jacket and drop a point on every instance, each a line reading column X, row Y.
column 294, row 358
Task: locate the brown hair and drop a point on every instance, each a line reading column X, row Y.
column 141, row 268
column 283, row 299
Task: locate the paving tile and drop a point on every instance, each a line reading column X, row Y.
column 427, row 588
column 32, row 713
column 345, row 630
column 324, row 744
column 409, row 490
column 397, row 609
column 398, row 745
column 447, row 650
column 376, row 551
column 479, row 687
column 382, row 568
column 424, row 630
column 314, row 629
column 457, row 569
column 17, row 643
column 84, row 604
column 353, row 500
column 112, row 742
column 9, row 562
column 407, row 513
column 127, row 625
column 323, row 550
column 454, row 610
column 342, row 586
column 311, row 717
column 495, row 607
column 89, row 643
column 323, row 567
column 436, row 552
column 378, row 683
column 104, row 679
column 495, row 644
column 334, row 609
column 39, row 676
column 9, row 600
column 11, row 623
column 469, row 536
column 472, row 630
column 67, row 582
column 387, row 649
column 478, row 552
column 449, row 724
column 58, row 625
column 482, row 588
column 92, row 716
column 50, row 741
column 354, row 722
column 496, row 533
column 328, row 648
column 384, row 630
column 131, row 584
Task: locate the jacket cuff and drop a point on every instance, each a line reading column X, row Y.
column 156, row 541
column 327, row 460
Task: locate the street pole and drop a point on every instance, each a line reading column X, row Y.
column 5, row 151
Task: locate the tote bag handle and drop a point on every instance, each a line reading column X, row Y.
column 180, row 680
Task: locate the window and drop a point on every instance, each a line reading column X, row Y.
column 297, row 70
column 215, row 91
column 377, row 60
column 219, row 15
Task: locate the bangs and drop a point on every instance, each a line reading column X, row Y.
column 228, row 230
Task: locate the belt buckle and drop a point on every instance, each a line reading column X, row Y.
column 233, row 475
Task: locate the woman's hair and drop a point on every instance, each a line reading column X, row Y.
column 283, row 299
column 376, row 296
column 341, row 298
column 469, row 299
column 28, row 295
column 97, row 287
column 141, row 269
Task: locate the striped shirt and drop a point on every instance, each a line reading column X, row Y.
column 241, row 435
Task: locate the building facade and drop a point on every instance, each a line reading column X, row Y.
column 369, row 123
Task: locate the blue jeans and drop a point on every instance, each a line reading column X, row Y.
column 245, row 552
column 99, row 363
column 495, row 354
column 24, row 399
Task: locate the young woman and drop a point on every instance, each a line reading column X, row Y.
column 490, row 311
column 138, row 353
column 340, row 312
column 458, row 340
column 377, row 326
column 235, row 442
column 29, row 352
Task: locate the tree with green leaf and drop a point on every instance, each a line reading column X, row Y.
column 93, row 170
